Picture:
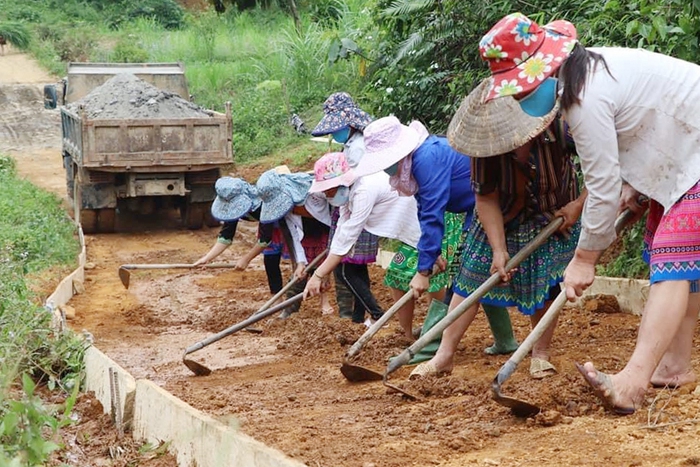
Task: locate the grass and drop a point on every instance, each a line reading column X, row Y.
column 35, row 234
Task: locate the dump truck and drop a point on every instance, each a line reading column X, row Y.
column 140, row 163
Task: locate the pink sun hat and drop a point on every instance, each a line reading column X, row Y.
column 521, row 54
column 330, row 171
column 387, row 141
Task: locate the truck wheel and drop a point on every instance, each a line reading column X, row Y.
column 192, row 215
column 88, row 220
column 105, row 220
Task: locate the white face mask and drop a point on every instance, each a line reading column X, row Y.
column 341, row 197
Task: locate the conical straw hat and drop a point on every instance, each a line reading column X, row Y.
column 499, row 126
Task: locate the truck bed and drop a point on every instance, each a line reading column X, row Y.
column 147, row 144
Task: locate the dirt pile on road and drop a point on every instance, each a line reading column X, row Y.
column 126, row 96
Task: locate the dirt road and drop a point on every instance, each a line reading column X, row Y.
column 283, row 387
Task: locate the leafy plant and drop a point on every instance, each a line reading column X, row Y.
column 16, row 33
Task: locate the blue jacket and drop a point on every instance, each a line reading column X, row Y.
column 444, row 185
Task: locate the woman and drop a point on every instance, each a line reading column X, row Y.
column 345, row 122
column 285, row 199
column 523, row 176
column 369, row 204
column 426, row 167
column 633, row 116
column 235, row 200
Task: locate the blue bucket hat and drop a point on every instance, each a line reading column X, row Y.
column 234, row 199
column 280, row 192
column 340, row 111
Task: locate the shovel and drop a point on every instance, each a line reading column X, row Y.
column 200, row 370
column 356, row 373
column 125, row 269
column 518, row 407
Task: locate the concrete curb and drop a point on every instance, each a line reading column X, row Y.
column 153, row 414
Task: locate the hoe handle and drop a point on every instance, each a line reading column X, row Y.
column 495, row 279
column 243, row 324
column 357, row 346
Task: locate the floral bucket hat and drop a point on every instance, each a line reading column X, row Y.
column 234, row 199
column 330, row 171
column 340, row 111
column 522, row 54
column 279, row 193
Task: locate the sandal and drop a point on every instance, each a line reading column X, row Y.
column 541, row 368
column 427, row 369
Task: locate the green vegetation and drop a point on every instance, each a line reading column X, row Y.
column 412, row 58
column 16, row 33
column 35, row 234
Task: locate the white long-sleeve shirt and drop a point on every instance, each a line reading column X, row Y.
column 317, row 205
column 377, row 208
column 642, row 124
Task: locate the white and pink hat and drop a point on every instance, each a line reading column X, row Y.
column 330, row 171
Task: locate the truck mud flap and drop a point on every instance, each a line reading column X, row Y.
column 98, row 196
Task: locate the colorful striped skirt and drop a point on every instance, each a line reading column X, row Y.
column 672, row 240
column 365, row 249
column 404, row 264
column 529, row 287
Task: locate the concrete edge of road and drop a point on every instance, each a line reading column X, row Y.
column 631, row 293
column 153, row 414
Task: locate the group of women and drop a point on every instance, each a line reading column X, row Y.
column 507, row 166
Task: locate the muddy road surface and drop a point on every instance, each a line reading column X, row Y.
column 284, row 387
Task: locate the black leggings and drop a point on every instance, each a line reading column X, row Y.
column 273, row 271
column 356, row 277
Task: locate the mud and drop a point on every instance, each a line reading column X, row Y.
column 126, row 96
column 284, row 387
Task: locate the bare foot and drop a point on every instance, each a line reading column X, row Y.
column 605, row 389
column 662, row 378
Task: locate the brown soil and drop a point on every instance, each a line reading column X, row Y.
column 92, row 440
column 284, row 388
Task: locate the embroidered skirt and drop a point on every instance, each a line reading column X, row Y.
column 365, row 249
column 404, row 264
column 530, row 285
column 672, row 240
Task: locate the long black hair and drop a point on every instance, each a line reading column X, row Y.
column 574, row 72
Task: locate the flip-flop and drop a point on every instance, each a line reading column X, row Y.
column 427, row 369
column 603, row 379
column 541, row 368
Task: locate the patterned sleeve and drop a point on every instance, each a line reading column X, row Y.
column 227, row 232
column 485, row 173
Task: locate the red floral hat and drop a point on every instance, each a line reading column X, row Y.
column 522, row 54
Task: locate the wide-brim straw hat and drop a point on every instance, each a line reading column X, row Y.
column 483, row 128
column 387, row 141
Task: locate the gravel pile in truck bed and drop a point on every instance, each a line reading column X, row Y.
column 126, row 96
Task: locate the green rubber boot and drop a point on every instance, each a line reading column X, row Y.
column 502, row 330
column 436, row 311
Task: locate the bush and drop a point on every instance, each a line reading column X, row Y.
column 128, row 50
column 16, row 33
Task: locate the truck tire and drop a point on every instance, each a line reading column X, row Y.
column 193, row 215
column 105, row 220
column 50, row 96
column 88, row 220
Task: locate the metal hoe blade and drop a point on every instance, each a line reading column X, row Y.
column 197, row 368
column 124, row 276
column 356, row 373
column 385, row 381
